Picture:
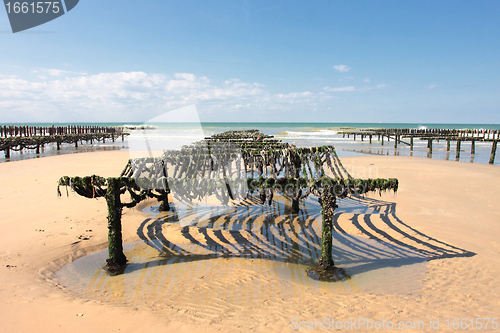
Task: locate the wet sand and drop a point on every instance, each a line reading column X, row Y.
column 445, row 216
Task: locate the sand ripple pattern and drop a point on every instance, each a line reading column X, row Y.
column 220, row 261
column 272, row 232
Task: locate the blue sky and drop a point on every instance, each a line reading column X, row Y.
column 285, row 61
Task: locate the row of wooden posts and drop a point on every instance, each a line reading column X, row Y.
column 37, row 142
column 434, row 132
column 27, row 131
column 430, row 135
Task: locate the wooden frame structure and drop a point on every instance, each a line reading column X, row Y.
column 227, row 166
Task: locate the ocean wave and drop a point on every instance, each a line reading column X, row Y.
column 161, row 136
column 317, row 133
column 137, row 127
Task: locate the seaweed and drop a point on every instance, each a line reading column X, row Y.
column 204, row 168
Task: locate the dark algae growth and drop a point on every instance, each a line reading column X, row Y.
column 232, row 165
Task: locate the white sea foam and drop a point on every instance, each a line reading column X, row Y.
column 311, row 134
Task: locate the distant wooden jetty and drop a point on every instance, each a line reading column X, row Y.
column 399, row 134
column 19, row 138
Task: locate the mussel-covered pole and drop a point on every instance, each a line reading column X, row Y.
column 164, row 205
column 295, row 200
column 111, row 189
column 115, row 247
column 493, row 151
column 328, row 202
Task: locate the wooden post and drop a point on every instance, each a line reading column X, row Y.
column 37, row 149
column 76, row 143
column 493, row 151
column 472, row 146
column 382, row 139
column 429, row 145
column 447, row 144
column 295, row 200
column 370, row 138
column 164, row 205
column 115, row 246
column 7, row 152
column 58, row 145
column 411, row 142
column 354, row 136
column 326, row 260
column 328, row 202
column 457, row 155
column 395, row 141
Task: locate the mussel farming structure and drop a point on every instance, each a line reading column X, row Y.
column 228, row 167
column 19, row 138
column 398, row 135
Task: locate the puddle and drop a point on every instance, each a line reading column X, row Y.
column 212, row 257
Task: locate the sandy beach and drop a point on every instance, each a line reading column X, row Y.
column 446, row 213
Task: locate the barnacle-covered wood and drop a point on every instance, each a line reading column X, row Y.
column 18, row 143
column 116, row 258
column 328, row 202
column 224, row 164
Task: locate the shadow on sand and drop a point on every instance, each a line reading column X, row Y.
column 261, row 254
column 272, row 232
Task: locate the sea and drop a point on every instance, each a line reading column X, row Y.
column 161, row 136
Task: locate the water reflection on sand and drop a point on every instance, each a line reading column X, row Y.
column 222, row 256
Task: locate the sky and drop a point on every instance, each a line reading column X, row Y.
column 252, row 61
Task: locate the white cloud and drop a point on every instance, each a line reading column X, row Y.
column 352, row 88
column 296, row 95
column 137, row 96
column 52, row 95
column 367, row 80
column 57, row 72
column 432, row 86
column 346, row 88
column 342, row 68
